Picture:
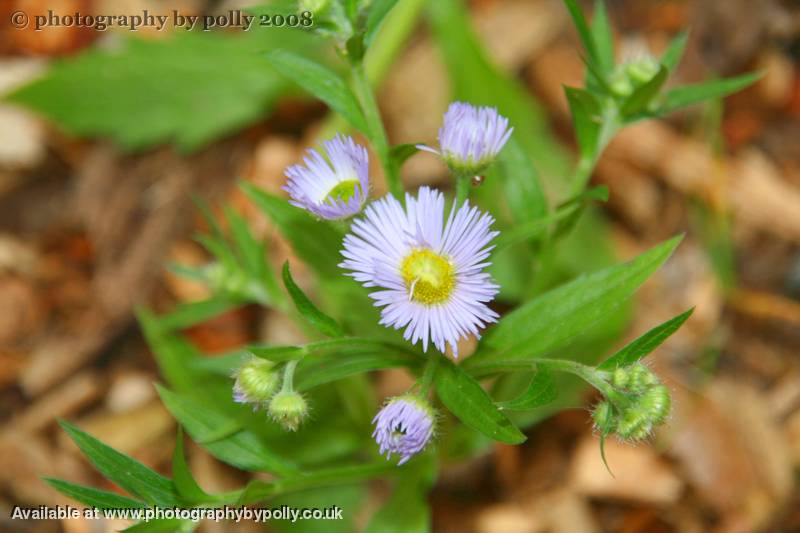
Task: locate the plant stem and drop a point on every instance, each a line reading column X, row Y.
column 429, row 373
column 586, row 163
column 288, row 376
column 377, row 132
column 463, row 184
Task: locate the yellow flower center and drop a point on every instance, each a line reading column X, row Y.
column 429, row 277
column 344, row 190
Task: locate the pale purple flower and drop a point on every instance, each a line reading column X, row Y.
column 404, row 426
column 470, row 137
column 331, row 188
column 430, row 272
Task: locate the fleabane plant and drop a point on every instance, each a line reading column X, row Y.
column 407, row 280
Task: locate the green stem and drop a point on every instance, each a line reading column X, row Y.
column 463, row 184
column 429, row 373
column 288, row 376
column 589, row 375
column 380, row 141
column 587, row 162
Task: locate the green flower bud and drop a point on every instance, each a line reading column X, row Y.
column 642, row 70
column 256, row 381
column 656, row 402
column 620, row 378
column 289, row 409
column 603, row 416
column 634, row 424
column 641, row 378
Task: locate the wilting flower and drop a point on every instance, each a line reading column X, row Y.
column 470, row 138
column 430, row 272
column 404, row 426
column 331, row 188
column 289, row 409
column 256, row 381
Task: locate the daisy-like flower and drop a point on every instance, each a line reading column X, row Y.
column 430, row 273
column 332, row 188
column 470, row 138
column 404, row 426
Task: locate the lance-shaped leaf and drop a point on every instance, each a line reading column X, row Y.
column 540, row 391
column 691, row 94
column 102, row 499
column 319, row 320
column 645, row 344
column 585, row 112
column 377, row 13
column 603, row 37
column 321, row 82
column 237, row 447
column 315, row 242
column 674, row 52
column 125, row 471
column 556, row 318
column 466, row 399
column 640, row 99
column 182, row 477
column 315, row 371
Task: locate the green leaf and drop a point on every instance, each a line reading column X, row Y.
column 126, row 472
column 540, row 391
column 321, row 322
column 242, row 449
column 674, row 52
column 583, row 30
column 172, row 351
column 315, row 371
column 253, row 254
column 102, row 499
column 401, row 152
column 555, row 318
column 585, row 112
column 182, row 477
column 466, row 399
column 190, row 88
column 692, row 94
column 376, row 16
column 278, row 354
column 189, row 314
column 407, row 510
column 320, row 82
column 316, row 243
column 603, row 37
column 640, row 99
column 645, row 344
column 521, row 185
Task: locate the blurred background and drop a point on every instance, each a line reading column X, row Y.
column 100, row 159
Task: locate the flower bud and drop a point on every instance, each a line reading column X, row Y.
column 404, row 426
column 656, row 402
column 641, row 378
column 289, row 409
column 256, row 382
column 603, row 416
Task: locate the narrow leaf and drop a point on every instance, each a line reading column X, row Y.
column 182, row 477
column 316, row 243
column 692, row 94
column 102, row 499
column 320, row 82
column 242, row 449
column 645, row 344
column 189, row 314
column 315, row 371
column 319, row 320
column 555, row 318
column 585, row 117
column 640, row 99
column 125, row 471
column 583, row 30
column 401, row 152
column 674, row 52
column 603, row 37
column 377, row 14
column 540, row 391
column 466, row 399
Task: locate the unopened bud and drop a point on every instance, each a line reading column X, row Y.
column 603, row 416
column 289, row 409
column 657, row 403
column 256, row 381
